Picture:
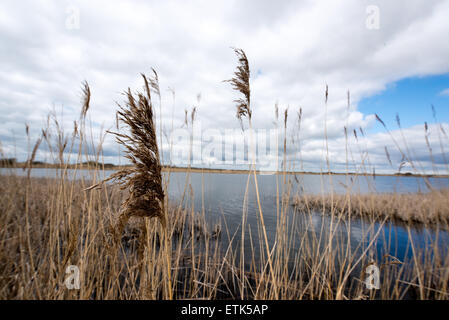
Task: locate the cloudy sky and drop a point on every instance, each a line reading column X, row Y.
column 392, row 56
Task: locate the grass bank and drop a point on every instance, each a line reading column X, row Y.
column 428, row 208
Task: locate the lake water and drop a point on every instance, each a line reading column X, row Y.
column 221, row 196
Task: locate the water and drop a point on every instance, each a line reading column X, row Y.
column 221, row 197
column 224, row 197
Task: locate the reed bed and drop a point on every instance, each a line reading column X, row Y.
column 131, row 241
column 72, row 226
column 422, row 208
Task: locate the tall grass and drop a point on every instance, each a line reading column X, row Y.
column 131, row 241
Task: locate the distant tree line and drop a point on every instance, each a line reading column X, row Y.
column 8, row 162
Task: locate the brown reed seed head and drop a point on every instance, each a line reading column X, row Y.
column 380, row 120
column 30, row 160
column 86, row 99
column 193, row 114
column 285, row 117
column 240, row 82
column 144, row 179
column 154, row 82
column 326, row 93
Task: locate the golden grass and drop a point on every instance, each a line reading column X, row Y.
column 71, row 226
column 427, row 208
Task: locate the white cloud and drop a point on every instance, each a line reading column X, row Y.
column 445, row 92
column 294, row 48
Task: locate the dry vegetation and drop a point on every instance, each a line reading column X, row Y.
column 50, row 224
column 131, row 242
column 427, row 208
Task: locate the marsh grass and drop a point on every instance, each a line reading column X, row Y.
column 423, row 208
column 48, row 224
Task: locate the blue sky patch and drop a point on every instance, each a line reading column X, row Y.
column 411, row 98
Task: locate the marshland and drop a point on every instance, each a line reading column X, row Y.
column 149, row 231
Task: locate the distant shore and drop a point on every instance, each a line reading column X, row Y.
column 109, row 166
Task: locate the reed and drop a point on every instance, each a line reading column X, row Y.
column 422, row 208
column 144, row 178
column 130, row 240
column 241, row 83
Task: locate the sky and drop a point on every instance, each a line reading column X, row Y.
column 391, row 56
column 412, row 99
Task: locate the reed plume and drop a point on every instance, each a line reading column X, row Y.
column 29, row 162
column 143, row 179
column 240, row 82
column 86, row 99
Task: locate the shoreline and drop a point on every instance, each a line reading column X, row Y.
column 100, row 166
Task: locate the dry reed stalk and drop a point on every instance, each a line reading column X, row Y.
column 443, row 152
column 154, row 84
column 29, row 162
column 240, row 82
column 144, row 179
